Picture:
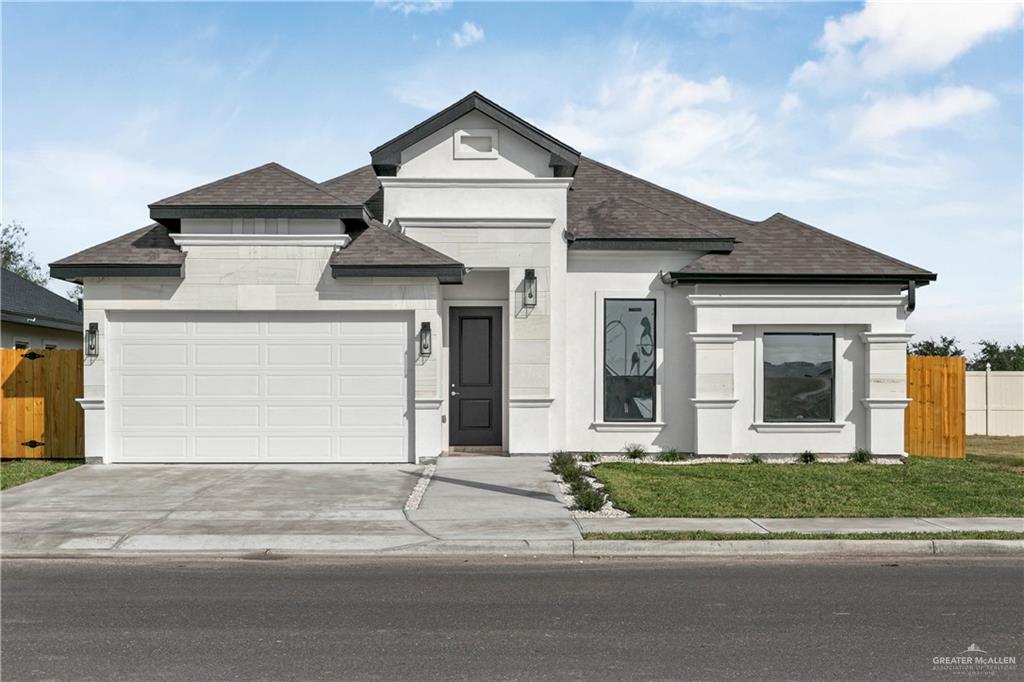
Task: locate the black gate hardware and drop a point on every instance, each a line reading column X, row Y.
column 33, row 443
column 32, row 355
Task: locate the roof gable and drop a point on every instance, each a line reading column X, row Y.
column 387, row 157
column 380, row 251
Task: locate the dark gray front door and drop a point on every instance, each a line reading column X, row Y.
column 475, row 376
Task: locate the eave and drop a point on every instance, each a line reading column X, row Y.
column 76, row 273
column 921, row 279
column 445, row 274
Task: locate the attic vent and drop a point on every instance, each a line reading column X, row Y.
column 476, row 144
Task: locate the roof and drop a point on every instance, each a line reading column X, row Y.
column 146, row 252
column 784, row 249
column 379, row 251
column 270, row 190
column 388, row 156
column 360, row 185
column 26, row 302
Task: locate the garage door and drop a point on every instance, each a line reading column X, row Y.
column 258, row 387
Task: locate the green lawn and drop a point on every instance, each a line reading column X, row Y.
column 708, row 535
column 1007, row 451
column 920, row 487
column 22, row 471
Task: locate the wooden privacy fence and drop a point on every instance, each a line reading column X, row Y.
column 39, row 417
column 935, row 421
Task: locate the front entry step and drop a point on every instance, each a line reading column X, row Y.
column 475, row 451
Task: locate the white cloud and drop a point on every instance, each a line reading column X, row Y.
column 790, row 102
column 469, row 33
column 890, row 38
column 417, row 7
column 889, row 117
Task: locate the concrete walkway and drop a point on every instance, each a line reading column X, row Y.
column 494, row 498
column 812, row 525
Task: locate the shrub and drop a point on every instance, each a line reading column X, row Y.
column 589, row 457
column 562, row 461
column 634, row 451
column 572, row 474
column 671, row 456
column 860, row 456
column 590, row 499
column 808, row 457
column 755, row 459
column 579, row 485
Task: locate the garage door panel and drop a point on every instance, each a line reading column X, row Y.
column 227, row 385
column 259, row 387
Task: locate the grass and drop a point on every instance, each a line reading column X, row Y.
column 920, row 487
column 21, row 471
column 1006, row 451
column 708, row 535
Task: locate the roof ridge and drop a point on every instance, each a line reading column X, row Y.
column 302, row 178
column 670, row 191
column 270, row 164
column 351, row 172
column 897, row 261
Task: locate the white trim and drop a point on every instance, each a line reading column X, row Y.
column 428, row 403
column 450, row 222
column 885, row 403
column 885, row 337
column 715, row 337
column 798, row 427
column 795, row 300
column 714, row 403
column 388, row 182
column 660, row 371
column 332, row 240
column 90, row 403
column 627, row 427
column 526, row 402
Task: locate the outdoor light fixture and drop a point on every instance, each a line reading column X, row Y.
column 425, row 343
column 530, row 288
column 91, row 339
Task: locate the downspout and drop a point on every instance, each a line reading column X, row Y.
column 911, row 296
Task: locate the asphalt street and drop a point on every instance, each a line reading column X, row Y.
column 405, row 619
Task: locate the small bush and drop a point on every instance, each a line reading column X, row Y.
column 755, row 459
column 572, row 475
column 634, row 451
column 561, row 462
column 590, row 499
column 671, row 456
column 860, row 456
column 579, row 485
column 589, row 457
column 808, row 457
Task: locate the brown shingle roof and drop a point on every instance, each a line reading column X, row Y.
column 147, row 249
column 362, row 186
column 377, row 250
column 268, row 185
column 781, row 245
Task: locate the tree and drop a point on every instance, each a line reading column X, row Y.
column 946, row 347
column 1008, row 358
column 16, row 257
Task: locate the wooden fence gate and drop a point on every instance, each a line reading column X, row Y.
column 935, row 421
column 39, row 417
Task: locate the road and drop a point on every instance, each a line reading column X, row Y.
column 514, row 619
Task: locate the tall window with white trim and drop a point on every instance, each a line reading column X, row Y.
column 629, row 359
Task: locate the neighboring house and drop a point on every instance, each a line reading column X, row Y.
column 32, row 316
column 482, row 285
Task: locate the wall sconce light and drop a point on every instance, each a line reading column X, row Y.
column 92, row 339
column 425, row 342
column 530, row 288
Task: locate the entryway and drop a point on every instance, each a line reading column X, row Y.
column 475, row 377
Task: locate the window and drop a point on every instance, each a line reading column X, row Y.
column 20, row 344
column 49, row 346
column 799, row 377
column 629, row 359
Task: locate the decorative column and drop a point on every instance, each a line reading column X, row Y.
column 714, row 397
column 886, row 392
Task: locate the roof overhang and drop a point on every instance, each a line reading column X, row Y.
column 632, row 244
column 166, row 215
column 15, row 317
column 76, row 273
column 921, row 279
column 445, row 274
column 388, row 157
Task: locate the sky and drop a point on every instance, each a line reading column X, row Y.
column 894, row 125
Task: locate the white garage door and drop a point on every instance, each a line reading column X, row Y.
column 258, row 387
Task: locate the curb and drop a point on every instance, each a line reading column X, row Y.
column 593, row 549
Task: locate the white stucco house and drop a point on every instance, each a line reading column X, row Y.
column 481, row 284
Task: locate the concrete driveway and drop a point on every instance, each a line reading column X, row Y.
column 292, row 508
column 212, row 507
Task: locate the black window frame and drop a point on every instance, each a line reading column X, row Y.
column 604, row 363
column 832, row 391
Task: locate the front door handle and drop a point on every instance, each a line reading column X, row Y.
column 456, row 393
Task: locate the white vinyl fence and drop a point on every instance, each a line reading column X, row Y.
column 995, row 403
